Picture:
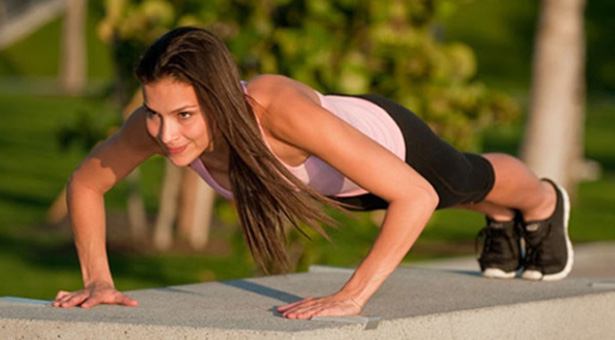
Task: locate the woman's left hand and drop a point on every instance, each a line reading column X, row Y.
column 332, row 305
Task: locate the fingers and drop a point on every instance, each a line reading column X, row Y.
column 127, row 301
column 327, row 306
column 281, row 309
column 305, row 310
column 91, row 302
column 65, row 299
column 61, row 294
column 109, row 298
column 88, row 298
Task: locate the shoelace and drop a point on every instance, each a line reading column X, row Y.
column 531, row 250
column 531, row 255
column 489, row 234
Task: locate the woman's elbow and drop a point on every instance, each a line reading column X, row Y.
column 424, row 197
column 81, row 180
column 431, row 198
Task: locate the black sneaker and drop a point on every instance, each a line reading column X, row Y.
column 549, row 253
column 500, row 257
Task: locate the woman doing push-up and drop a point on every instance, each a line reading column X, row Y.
column 281, row 150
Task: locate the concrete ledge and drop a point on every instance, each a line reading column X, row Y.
column 413, row 303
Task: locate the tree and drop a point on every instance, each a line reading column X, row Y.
column 74, row 56
column 553, row 145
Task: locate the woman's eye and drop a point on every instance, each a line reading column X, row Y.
column 185, row 114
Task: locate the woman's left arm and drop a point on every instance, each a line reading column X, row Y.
column 404, row 222
column 412, row 200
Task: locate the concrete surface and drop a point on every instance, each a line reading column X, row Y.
column 419, row 303
column 590, row 259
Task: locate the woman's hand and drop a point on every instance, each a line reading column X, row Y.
column 333, row 305
column 92, row 295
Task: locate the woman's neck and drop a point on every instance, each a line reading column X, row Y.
column 216, row 156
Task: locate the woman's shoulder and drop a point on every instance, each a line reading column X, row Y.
column 272, row 89
column 284, row 106
column 267, row 82
column 134, row 132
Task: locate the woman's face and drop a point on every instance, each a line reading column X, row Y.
column 175, row 119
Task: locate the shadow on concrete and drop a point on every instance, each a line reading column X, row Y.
column 452, row 270
column 463, row 272
column 263, row 290
column 177, row 290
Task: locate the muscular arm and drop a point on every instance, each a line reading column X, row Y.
column 412, row 200
column 105, row 166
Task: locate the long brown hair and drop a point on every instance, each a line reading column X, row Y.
column 265, row 192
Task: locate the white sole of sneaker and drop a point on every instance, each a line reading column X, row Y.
column 568, row 267
column 536, row 275
column 533, row 275
column 496, row 273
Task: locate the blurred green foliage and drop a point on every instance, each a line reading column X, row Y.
column 501, row 32
column 387, row 47
column 86, row 130
column 599, row 27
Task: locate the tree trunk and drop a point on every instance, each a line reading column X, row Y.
column 73, row 62
column 135, row 206
column 58, row 209
column 197, row 201
column 163, row 231
column 553, row 144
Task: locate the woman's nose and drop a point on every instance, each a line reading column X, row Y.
column 168, row 132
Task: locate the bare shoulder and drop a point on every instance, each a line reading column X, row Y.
column 134, row 133
column 286, row 109
column 271, row 90
column 113, row 159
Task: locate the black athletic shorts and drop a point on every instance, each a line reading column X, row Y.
column 457, row 177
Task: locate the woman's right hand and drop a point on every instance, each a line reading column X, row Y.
column 92, row 295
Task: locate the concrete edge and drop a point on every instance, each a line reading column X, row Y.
column 329, row 269
column 579, row 317
column 75, row 330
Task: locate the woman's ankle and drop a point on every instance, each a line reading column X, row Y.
column 545, row 209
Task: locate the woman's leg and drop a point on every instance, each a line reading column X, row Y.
column 515, row 188
column 544, row 212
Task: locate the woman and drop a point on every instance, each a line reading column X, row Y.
column 279, row 148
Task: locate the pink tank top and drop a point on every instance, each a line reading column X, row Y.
column 364, row 116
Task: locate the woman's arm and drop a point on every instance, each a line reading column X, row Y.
column 105, row 166
column 412, row 200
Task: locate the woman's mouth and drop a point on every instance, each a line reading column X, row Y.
column 175, row 151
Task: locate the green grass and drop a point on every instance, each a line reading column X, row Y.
column 501, row 33
column 37, row 263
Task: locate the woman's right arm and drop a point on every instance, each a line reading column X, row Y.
column 105, row 166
